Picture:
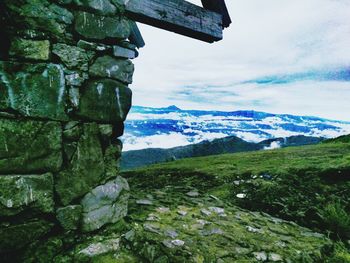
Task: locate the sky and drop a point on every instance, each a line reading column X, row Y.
column 278, row 56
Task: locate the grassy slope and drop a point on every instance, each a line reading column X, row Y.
column 309, row 185
column 294, row 181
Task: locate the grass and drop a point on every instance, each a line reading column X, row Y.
column 336, row 219
column 294, row 183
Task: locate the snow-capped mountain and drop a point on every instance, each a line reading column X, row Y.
column 170, row 127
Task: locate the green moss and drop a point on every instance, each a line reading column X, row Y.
column 30, row 49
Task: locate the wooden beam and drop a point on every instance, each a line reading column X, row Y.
column 135, row 36
column 178, row 16
column 218, row 6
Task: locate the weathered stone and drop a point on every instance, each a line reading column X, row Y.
column 34, row 90
column 144, row 202
column 122, row 52
column 29, row 146
column 97, row 248
column 105, row 204
column 93, row 46
column 26, row 192
column 69, row 216
column 108, row 67
column 103, row 7
column 76, row 78
column 275, row 257
column 105, row 101
column 14, row 237
column 32, row 34
column 72, row 131
column 86, row 168
column 111, row 159
column 30, row 49
column 127, row 44
column 74, row 98
column 173, row 243
column 260, row 256
column 106, row 130
column 73, row 57
column 41, row 15
column 118, row 129
column 100, row 27
column 192, row 194
column 69, row 149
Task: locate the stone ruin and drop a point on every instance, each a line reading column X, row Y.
column 64, row 74
column 65, row 67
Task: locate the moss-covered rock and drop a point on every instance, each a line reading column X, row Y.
column 69, row 216
column 108, row 67
column 30, row 146
column 180, row 228
column 105, row 204
column 103, row 7
column 105, row 101
column 33, row 90
column 73, row 57
column 31, row 193
column 86, row 168
column 94, row 26
column 41, row 15
column 30, row 49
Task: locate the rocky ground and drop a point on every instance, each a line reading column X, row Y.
column 182, row 224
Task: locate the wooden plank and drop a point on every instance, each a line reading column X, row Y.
column 135, row 36
column 218, row 6
column 178, row 16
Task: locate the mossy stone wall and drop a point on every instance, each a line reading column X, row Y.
column 64, row 74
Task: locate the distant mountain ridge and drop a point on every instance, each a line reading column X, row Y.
column 231, row 144
column 171, row 126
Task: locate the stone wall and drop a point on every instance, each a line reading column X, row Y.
column 64, row 74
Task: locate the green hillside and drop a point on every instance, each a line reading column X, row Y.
column 231, row 144
column 308, row 186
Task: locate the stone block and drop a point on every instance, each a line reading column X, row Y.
column 30, row 49
column 32, row 193
column 69, row 216
column 103, row 7
column 73, row 57
column 108, row 67
column 105, row 101
column 86, row 168
column 30, row 146
column 122, row 52
column 105, row 204
column 76, row 78
column 41, row 15
column 100, row 27
column 93, row 46
column 33, row 90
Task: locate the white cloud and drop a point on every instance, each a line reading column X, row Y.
column 273, row 145
column 268, row 37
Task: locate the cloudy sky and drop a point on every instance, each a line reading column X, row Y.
column 278, row 56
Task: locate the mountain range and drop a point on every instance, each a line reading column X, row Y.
column 230, row 144
column 170, row 127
